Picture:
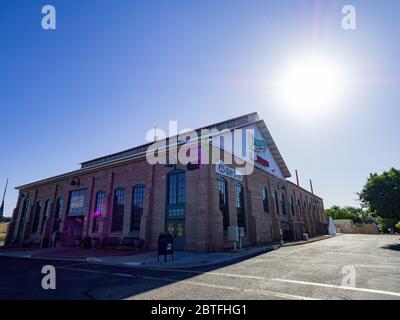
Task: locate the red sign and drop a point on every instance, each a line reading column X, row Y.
column 262, row 161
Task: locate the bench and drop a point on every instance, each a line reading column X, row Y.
column 131, row 243
column 110, row 242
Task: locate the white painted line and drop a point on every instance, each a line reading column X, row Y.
column 362, row 255
column 211, row 273
column 196, row 283
column 133, row 263
column 99, row 272
column 214, row 286
column 279, row 294
column 377, row 266
column 93, row 259
column 390, row 293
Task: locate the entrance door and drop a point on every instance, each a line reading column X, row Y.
column 74, row 230
column 177, row 229
column 175, row 208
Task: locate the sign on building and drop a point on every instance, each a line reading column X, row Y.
column 77, row 205
column 226, row 171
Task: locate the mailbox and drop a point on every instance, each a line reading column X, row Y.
column 165, row 246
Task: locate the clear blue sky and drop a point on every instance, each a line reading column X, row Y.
column 113, row 69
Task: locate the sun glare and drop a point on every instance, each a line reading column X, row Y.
column 310, row 86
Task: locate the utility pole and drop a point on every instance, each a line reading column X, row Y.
column 297, row 178
column 312, row 191
column 2, row 202
column 155, row 133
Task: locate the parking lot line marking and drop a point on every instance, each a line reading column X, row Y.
column 362, row 255
column 99, row 272
column 211, row 273
column 391, row 293
column 196, row 283
column 209, row 285
column 279, row 294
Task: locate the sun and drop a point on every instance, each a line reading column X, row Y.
column 310, row 86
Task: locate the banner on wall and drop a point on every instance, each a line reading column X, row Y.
column 257, row 144
column 226, row 171
column 260, row 145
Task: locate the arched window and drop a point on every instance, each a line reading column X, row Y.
column 58, row 214
column 59, row 208
column 98, row 210
column 36, row 217
column 118, row 210
column 223, row 202
column 299, row 208
column 292, row 205
column 24, row 212
column 176, row 188
column 240, row 209
column 276, row 201
column 176, row 195
column 283, row 203
column 137, row 207
column 265, row 197
column 45, row 214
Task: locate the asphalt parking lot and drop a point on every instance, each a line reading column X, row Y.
column 343, row 267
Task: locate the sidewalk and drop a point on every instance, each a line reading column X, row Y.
column 296, row 243
column 182, row 259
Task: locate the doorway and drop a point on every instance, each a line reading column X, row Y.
column 175, row 208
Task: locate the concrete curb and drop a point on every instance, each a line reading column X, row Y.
column 309, row 241
column 205, row 263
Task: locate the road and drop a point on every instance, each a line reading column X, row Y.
column 309, row 271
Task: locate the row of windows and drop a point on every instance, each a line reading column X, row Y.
column 75, row 208
column 280, row 201
column 119, row 208
column 175, row 205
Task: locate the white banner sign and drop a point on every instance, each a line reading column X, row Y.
column 226, row 171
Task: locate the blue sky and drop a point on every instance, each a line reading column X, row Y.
column 114, row 69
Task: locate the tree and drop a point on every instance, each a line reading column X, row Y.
column 382, row 195
column 398, row 226
column 358, row 215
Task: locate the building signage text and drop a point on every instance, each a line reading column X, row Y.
column 226, row 171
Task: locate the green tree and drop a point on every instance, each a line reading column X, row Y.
column 398, row 226
column 358, row 215
column 382, row 195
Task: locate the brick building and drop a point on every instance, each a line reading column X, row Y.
column 122, row 198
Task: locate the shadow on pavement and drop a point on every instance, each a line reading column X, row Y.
column 21, row 279
column 395, row 247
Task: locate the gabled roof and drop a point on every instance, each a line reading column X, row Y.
column 238, row 122
column 273, row 148
column 227, row 124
